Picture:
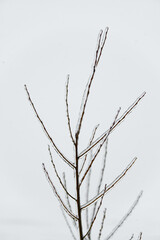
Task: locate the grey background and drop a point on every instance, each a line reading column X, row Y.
column 41, row 42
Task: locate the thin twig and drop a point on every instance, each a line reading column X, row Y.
column 87, row 91
column 67, row 110
column 90, row 142
column 140, row 236
column 132, row 237
column 101, row 178
column 57, row 195
column 91, row 225
column 68, row 194
column 102, row 224
column 87, row 197
column 47, row 133
column 111, row 185
column 124, row 218
column 127, row 112
column 67, row 198
column 99, row 148
column 70, row 229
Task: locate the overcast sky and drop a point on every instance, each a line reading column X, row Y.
column 43, row 41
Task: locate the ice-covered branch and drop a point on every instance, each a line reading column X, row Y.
column 47, row 133
column 111, row 185
column 54, row 167
column 67, row 110
column 57, row 195
column 124, row 218
column 100, row 138
column 99, row 49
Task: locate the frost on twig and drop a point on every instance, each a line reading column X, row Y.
column 125, row 217
column 47, row 133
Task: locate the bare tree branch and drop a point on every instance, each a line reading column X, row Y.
column 57, row 195
column 102, row 224
column 58, row 175
column 111, row 185
column 47, row 133
column 100, row 138
column 91, row 225
column 70, row 229
column 67, row 110
column 87, row 90
column 124, row 218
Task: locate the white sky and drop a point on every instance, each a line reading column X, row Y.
column 40, row 43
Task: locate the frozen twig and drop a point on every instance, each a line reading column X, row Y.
column 124, row 218
column 101, row 178
column 90, row 142
column 132, row 237
column 102, row 224
column 47, row 133
column 70, row 229
column 111, row 185
column 87, row 90
column 68, row 194
column 140, row 236
column 87, row 197
column 91, row 225
column 119, row 120
column 99, row 148
column 67, row 110
column 57, row 195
